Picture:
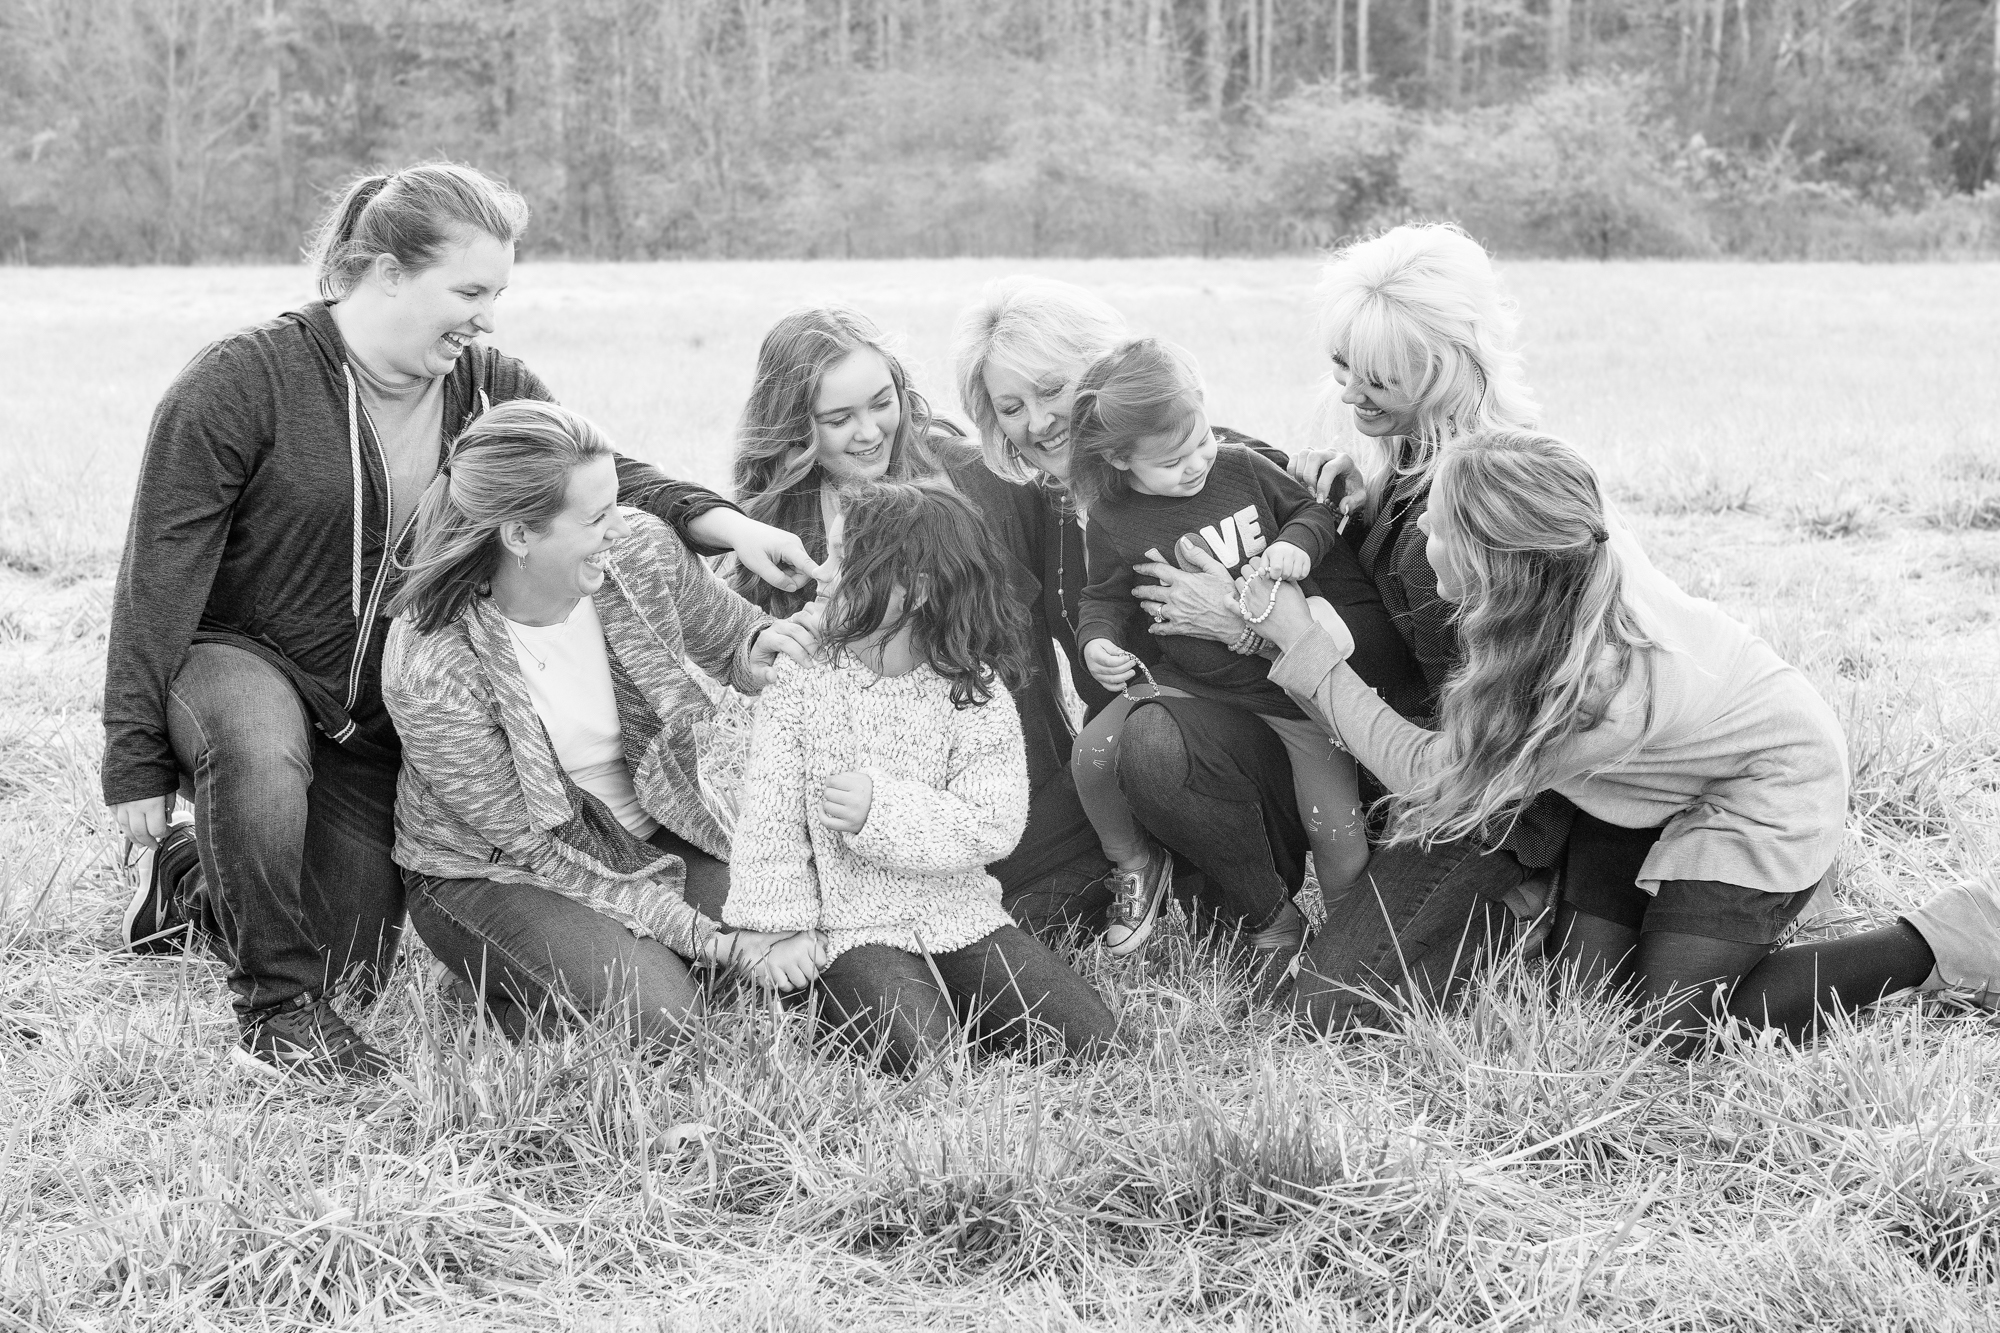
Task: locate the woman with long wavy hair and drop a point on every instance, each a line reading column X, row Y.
column 1711, row 774
column 830, row 405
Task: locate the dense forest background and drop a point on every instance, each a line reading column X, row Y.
column 180, row 131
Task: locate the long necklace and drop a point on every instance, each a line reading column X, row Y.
column 1062, row 553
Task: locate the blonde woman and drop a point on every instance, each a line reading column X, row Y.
column 1717, row 773
column 1420, row 337
column 1215, row 792
column 549, row 821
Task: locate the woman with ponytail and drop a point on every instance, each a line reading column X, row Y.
column 549, row 821
column 281, row 473
column 1711, row 777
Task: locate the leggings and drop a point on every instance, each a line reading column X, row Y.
column 1693, row 968
column 899, row 1006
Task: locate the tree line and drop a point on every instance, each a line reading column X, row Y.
column 178, row 131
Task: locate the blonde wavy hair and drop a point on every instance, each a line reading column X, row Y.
column 1547, row 632
column 1046, row 330
column 1421, row 308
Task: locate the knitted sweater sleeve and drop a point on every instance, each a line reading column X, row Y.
column 773, row 884
column 975, row 820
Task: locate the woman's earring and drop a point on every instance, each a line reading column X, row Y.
column 522, row 560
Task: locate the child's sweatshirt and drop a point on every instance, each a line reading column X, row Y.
column 1247, row 503
column 950, row 797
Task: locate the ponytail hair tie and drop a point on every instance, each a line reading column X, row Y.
column 1599, row 535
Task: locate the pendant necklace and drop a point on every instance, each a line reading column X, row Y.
column 522, row 644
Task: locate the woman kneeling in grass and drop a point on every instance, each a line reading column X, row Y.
column 884, row 776
column 548, row 818
column 1716, row 774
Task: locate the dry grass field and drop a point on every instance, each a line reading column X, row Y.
column 1815, row 447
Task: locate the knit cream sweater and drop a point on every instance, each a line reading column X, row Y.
column 950, row 796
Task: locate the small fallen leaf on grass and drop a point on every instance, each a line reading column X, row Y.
column 685, row 1133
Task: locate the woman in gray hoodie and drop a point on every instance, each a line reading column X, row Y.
column 281, row 472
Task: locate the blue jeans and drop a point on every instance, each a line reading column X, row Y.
column 529, row 953
column 296, row 887
column 1411, row 930
column 1214, row 784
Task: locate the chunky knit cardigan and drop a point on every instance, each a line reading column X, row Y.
column 482, row 794
column 950, row 795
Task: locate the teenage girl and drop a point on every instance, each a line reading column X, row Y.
column 1711, row 777
column 1153, row 481
column 884, row 777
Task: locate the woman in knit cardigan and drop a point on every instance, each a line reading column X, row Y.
column 1715, row 774
column 550, row 819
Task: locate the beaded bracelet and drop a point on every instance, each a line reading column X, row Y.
column 1243, row 605
column 1248, row 644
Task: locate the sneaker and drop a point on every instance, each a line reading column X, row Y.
column 306, row 1037
column 1135, row 903
column 156, row 921
column 1962, row 926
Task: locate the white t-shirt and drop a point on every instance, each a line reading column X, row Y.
column 569, row 679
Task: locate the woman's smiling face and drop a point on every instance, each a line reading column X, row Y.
column 1033, row 412
column 855, row 415
column 1382, row 410
column 439, row 310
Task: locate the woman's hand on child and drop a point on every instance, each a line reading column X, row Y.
column 772, row 554
column 1200, row 602
column 780, row 638
column 845, row 800
column 793, row 963
column 1109, row 665
column 1286, row 561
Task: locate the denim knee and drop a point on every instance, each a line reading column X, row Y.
column 237, row 712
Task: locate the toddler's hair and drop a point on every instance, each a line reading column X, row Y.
column 930, row 541
column 1139, row 390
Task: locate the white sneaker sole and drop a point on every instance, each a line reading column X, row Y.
column 257, row 1067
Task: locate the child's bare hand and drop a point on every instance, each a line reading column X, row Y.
column 845, row 800
column 1109, row 665
column 1285, row 561
column 739, row 948
column 793, row 963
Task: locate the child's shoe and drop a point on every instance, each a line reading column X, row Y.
column 1135, row 902
column 1962, row 926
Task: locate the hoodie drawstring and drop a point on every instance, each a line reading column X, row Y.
column 360, row 495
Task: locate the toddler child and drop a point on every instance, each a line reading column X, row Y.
column 1153, row 482
column 884, row 778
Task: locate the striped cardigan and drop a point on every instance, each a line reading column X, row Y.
column 482, row 794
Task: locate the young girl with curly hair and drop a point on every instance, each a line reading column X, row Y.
column 884, row 777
